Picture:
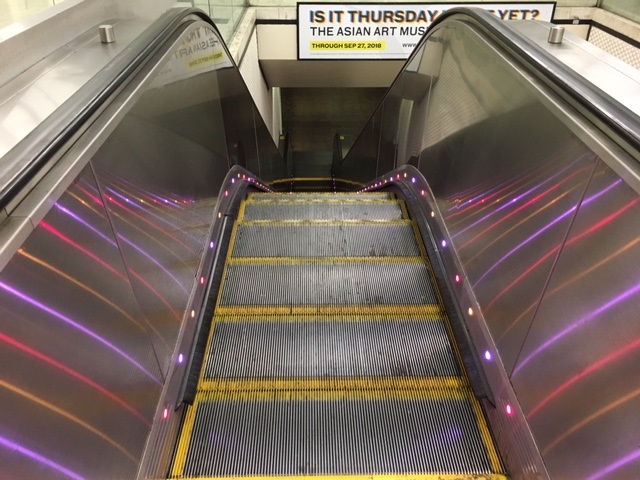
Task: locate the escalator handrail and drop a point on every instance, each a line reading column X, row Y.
column 42, row 144
column 617, row 117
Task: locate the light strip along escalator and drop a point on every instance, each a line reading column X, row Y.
column 330, row 353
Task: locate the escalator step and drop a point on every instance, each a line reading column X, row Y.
column 367, row 211
column 319, row 283
column 329, row 349
column 343, row 433
column 335, row 240
column 315, row 196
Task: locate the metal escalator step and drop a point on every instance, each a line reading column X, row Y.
column 324, row 349
column 335, row 240
column 315, row 196
column 332, row 388
column 323, row 211
column 353, row 435
column 318, row 283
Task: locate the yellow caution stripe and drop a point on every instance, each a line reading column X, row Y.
column 363, row 386
column 218, row 318
column 301, row 395
column 180, row 459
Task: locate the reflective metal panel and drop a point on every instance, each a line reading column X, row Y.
column 507, row 225
column 525, row 211
column 577, row 377
column 80, row 381
column 159, row 175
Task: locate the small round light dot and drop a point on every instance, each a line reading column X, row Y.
column 509, row 410
column 413, row 179
column 201, row 280
column 193, row 313
column 219, row 214
column 470, row 311
column 487, row 355
column 180, row 358
column 398, row 176
column 433, row 214
column 165, row 413
column 211, row 245
column 458, row 279
column 422, row 192
column 233, row 180
column 226, row 193
column 405, row 174
column 443, row 243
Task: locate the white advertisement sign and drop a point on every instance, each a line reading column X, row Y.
column 332, row 31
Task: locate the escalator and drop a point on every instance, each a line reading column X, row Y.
column 174, row 307
column 330, row 352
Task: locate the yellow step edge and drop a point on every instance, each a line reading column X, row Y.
column 328, row 395
column 184, row 441
column 329, row 310
column 363, row 385
column 410, row 476
column 220, row 318
column 322, row 260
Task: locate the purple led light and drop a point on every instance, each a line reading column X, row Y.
column 413, row 179
column 529, row 192
column 616, row 465
column 127, row 241
column 15, row 448
column 547, row 227
column 487, row 355
column 580, row 323
column 180, row 358
column 443, row 243
column 77, row 326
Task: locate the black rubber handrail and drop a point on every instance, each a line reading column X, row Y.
column 613, row 114
column 42, row 144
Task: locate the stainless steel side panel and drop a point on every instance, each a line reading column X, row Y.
column 578, row 376
column 67, row 313
column 94, row 300
column 538, row 211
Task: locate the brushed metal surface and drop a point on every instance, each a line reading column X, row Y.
column 94, row 300
column 330, row 348
column 79, row 396
column 516, row 185
column 325, row 211
column 350, row 240
column 577, row 376
column 339, row 437
column 328, row 284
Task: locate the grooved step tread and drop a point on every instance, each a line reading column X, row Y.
column 338, row 239
column 330, row 354
column 394, row 350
